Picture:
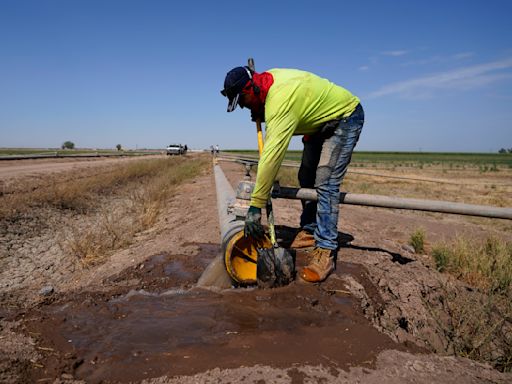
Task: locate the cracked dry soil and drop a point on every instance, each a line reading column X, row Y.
column 139, row 318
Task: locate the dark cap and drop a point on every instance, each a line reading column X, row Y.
column 234, row 83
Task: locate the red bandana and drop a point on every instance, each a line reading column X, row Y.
column 263, row 81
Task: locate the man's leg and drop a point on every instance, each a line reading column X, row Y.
column 332, row 167
column 307, row 176
column 307, row 173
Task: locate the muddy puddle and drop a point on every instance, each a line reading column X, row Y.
column 154, row 322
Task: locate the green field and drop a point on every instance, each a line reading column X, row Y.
column 412, row 158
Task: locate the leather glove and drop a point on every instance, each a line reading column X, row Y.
column 253, row 225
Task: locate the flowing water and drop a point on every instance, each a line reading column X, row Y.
column 162, row 324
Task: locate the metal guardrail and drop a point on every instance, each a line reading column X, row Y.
column 55, row 155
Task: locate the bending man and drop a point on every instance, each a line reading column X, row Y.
column 293, row 102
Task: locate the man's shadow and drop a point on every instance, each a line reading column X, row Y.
column 286, row 234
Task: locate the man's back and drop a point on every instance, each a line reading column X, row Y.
column 307, row 98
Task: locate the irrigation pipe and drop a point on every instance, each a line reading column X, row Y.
column 400, row 203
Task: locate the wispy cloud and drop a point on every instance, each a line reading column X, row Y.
column 462, row 78
column 439, row 60
column 395, row 53
column 364, row 68
column 463, row 55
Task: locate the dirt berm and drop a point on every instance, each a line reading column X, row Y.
column 139, row 318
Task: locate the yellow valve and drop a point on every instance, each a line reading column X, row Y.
column 241, row 255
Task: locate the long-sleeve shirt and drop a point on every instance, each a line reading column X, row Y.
column 297, row 103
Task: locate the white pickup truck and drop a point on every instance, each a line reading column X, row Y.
column 175, row 149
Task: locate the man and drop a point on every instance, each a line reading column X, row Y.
column 294, row 102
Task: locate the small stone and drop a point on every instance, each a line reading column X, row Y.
column 46, row 291
column 66, row 376
column 408, row 248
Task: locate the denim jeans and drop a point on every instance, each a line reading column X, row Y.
column 324, row 164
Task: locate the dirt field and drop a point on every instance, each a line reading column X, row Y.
column 138, row 317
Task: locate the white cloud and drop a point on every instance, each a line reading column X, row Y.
column 364, row 68
column 462, row 78
column 440, row 59
column 463, row 55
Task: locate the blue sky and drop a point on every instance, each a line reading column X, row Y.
column 432, row 75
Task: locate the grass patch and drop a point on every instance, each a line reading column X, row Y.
column 486, row 265
column 417, row 240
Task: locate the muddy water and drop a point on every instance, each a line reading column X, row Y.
column 147, row 332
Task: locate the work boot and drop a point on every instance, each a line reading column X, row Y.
column 320, row 266
column 303, row 239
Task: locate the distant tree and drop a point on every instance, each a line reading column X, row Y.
column 502, row 150
column 118, row 146
column 510, row 150
column 68, row 145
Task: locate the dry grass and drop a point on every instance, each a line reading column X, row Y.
column 105, row 207
column 487, row 265
column 148, row 188
column 79, row 191
column 477, row 325
column 417, row 240
column 467, row 185
column 478, row 320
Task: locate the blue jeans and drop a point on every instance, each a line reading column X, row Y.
column 325, row 160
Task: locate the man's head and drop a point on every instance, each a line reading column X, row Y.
column 234, row 83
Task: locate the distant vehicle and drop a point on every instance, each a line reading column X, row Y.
column 175, row 149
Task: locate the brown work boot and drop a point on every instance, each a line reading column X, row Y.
column 303, row 239
column 320, row 266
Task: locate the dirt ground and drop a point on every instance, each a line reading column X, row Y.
column 139, row 317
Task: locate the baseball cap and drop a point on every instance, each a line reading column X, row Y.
column 234, row 83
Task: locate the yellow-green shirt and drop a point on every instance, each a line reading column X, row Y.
column 297, row 103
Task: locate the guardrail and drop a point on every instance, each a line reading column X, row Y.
column 54, row 155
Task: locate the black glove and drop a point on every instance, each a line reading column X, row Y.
column 253, row 225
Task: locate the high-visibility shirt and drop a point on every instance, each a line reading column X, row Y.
column 297, row 103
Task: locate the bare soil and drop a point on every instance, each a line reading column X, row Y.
column 139, row 317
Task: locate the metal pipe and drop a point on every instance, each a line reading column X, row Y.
column 225, row 199
column 216, row 275
column 399, row 203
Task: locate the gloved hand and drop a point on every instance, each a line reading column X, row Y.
column 253, row 225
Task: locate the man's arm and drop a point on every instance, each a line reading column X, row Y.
column 279, row 132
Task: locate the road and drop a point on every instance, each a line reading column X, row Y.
column 18, row 168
